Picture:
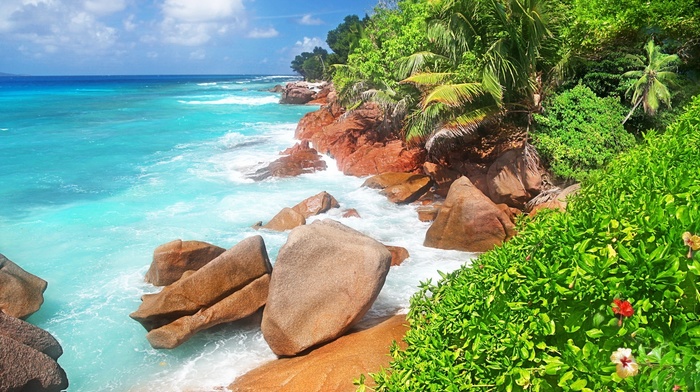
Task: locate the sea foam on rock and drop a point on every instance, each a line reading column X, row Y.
column 326, row 278
column 356, row 140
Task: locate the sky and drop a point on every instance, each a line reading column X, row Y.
column 159, row 37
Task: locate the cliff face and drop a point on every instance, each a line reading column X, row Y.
column 354, row 139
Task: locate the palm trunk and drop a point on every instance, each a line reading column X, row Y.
column 632, row 111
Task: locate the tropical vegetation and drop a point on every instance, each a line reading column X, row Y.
column 603, row 297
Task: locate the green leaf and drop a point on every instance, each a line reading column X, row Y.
column 578, row 384
column 594, row 333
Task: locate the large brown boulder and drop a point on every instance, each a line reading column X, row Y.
column 400, row 187
column 29, row 335
column 376, row 158
column 317, row 204
column 442, row 176
column 240, row 304
column 398, row 254
column 325, row 279
column 24, row 368
column 514, row 177
column 172, row 259
column 340, row 138
column 356, row 141
column 231, row 271
column 296, row 160
column 313, row 122
column 286, row 219
column 468, row 221
column 299, row 93
column 21, row 293
column 332, row 367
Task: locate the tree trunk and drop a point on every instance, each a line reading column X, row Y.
column 632, row 111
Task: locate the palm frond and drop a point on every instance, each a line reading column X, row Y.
column 430, row 78
column 461, row 128
column 454, row 95
column 416, row 63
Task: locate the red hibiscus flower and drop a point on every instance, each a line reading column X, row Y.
column 623, row 308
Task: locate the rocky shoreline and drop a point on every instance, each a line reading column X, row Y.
column 311, row 305
column 328, row 275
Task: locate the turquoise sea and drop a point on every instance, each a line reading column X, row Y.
column 97, row 171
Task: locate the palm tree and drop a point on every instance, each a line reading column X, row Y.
column 650, row 88
column 503, row 40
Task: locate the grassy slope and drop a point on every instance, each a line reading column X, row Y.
column 536, row 313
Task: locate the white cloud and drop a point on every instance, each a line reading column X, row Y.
column 193, row 23
column 104, row 7
column 263, row 33
column 129, row 24
column 309, row 20
column 198, row 54
column 187, row 34
column 308, row 44
column 53, row 26
column 203, row 11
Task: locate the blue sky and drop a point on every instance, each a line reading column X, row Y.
column 111, row 37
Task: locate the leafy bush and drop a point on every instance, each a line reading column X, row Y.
column 552, row 308
column 580, row 132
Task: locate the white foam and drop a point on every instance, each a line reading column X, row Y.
column 207, row 84
column 237, row 100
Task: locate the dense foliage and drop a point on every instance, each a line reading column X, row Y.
column 488, row 61
column 603, row 297
column 311, row 65
column 344, row 38
column 580, row 132
column 390, row 35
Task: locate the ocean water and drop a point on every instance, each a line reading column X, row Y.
column 96, row 172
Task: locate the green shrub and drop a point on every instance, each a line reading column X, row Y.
column 537, row 313
column 580, row 132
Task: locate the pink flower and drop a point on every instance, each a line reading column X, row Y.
column 625, row 363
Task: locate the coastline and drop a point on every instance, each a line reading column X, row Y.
column 134, row 189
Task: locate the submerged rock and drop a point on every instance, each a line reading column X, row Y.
column 21, row 293
column 326, row 277
column 297, row 160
